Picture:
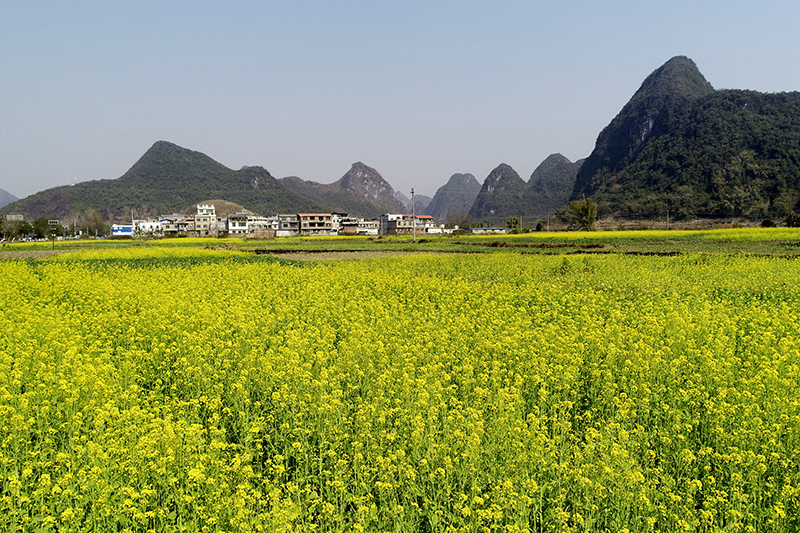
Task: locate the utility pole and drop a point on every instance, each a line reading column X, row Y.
column 413, row 216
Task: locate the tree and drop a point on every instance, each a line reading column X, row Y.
column 19, row 229
column 41, row 228
column 94, row 223
column 514, row 224
column 583, row 214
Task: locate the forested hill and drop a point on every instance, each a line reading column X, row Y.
column 502, row 195
column 550, row 186
column 505, row 194
column 453, row 200
column 679, row 146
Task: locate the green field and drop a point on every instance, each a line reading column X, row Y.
column 639, row 381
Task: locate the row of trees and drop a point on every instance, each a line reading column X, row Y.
column 39, row 229
column 90, row 224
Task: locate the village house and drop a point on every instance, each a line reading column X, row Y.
column 368, row 227
column 336, row 221
column 259, row 223
column 205, row 221
column 237, row 223
column 287, row 226
column 314, row 223
column 262, row 227
column 174, row 225
column 404, row 224
column 151, row 227
column 348, row 225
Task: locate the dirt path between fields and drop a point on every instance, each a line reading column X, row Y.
column 30, row 254
column 329, row 255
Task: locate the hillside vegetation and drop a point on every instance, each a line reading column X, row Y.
column 505, row 194
column 681, row 147
column 360, row 191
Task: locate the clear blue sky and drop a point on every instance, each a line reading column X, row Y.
column 419, row 89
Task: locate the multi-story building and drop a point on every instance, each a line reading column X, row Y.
column 206, row 210
column 287, row 226
column 358, row 226
column 348, row 225
column 426, row 222
column 404, row 224
column 174, row 225
column 314, row 223
column 205, row 221
column 258, row 223
column 262, row 227
column 237, row 223
column 336, row 221
column 147, row 227
column 368, row 227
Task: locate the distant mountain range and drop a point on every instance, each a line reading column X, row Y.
column 6, row 198
column 168, row 178
column 678, row 147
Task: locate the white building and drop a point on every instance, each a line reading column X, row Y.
column 205, row 221
column 207, row 210
column 259, row 223
column 237, row 223
column 485, row 231
column 338, row 220
column 367, row 227
column 147, row 227
column 405, row 224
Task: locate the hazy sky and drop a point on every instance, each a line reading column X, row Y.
column 417, row 89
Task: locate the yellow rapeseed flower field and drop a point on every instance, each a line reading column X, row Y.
column 152, row 389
